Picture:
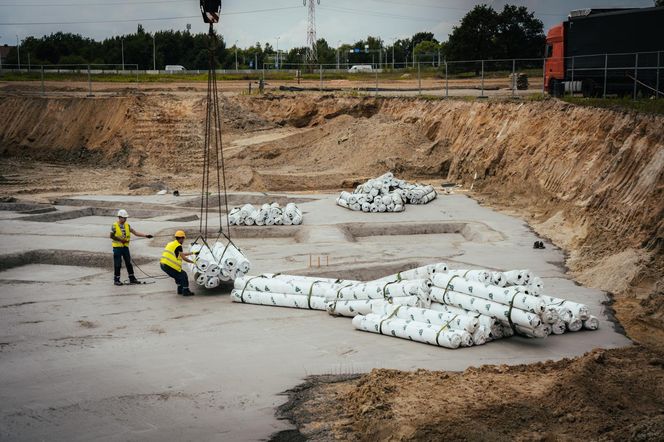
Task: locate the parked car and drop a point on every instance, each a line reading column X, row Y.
column 174, row 68
column 360, row 68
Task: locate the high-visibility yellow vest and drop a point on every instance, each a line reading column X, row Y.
column 119, row 234
column 168, row 256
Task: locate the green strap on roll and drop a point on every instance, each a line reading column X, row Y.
column 380, row 326
column 334, row 308
column 446, row 325
column 448, row 287
column 385, row 288
column 246, row 284
column 509, row 313
column 310, row 291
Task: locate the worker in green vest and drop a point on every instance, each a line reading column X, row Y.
column 171, row 263
column 121, row 233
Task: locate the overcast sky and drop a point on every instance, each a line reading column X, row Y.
column 252, row 21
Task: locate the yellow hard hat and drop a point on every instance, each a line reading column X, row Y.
column 180, row 234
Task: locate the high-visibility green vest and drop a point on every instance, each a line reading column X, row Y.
column 119, row 234
column 168, row 256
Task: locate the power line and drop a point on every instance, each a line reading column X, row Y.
column 255, row 11
column 452, row 8
column 374, row 13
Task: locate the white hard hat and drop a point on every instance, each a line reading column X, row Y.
column 123, row 213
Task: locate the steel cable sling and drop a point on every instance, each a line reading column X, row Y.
column 213, row 141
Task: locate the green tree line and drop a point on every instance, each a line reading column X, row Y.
column 483, row 33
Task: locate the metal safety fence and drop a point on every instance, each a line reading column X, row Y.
column 597, row 75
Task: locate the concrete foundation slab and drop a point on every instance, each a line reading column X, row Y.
column 82, row 359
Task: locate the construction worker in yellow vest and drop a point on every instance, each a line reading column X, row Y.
column 171, row 263
column 121, row 233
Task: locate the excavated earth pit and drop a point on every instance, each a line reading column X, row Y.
column 588, row 185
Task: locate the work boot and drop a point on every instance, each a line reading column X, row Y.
column 541, row 245
column 117, row 282
column 133, row 280
column 536, row 245
column 179, row 290
column 186, row 292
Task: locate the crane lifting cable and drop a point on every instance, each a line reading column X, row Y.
column 213, row 155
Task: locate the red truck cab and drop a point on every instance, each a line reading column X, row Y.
column 555, row 56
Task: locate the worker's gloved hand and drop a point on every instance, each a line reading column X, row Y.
column 149, row 236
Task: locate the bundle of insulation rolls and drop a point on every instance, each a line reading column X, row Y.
column 430, row 304
column 223, row 262
column 386, row 194
column 265, row 215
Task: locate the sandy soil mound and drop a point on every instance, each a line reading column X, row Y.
column 604, row 395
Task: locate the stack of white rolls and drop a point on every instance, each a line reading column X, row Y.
column 287, row 290
column 431, row 303
column 265, row 215
column 224, row 262
column 356, row 299
column 386, row 194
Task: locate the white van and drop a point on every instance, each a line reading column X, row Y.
column 174, row 68
column 360, row 68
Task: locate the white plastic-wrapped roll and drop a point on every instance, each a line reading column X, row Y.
column 497, row 279
column 400, row 328
column 551, row 315
column 486, row 307
column 351, row 307
column 288, row 284
column 278, row 299
column 212, row 282
column 489, row 323
column 502, row 295
column 558, row 327
column 218, row 264
column 536, row 286
column 427, row 316
column 380, row 290
column 578, row 310
column 540, row 332
column 575, row 325
column 423, row 272
column 481, row 276
column 517, row 277
column 480, row 335
column 592, row 323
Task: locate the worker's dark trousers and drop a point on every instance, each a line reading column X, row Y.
column 180, row 277
column 118, row 254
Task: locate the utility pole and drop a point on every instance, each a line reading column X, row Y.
column 338, row 45
column 154, row 53
column 236, row 55
column 18, row 50
column 394, row 42
column 277, row 61
column 122, row 44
